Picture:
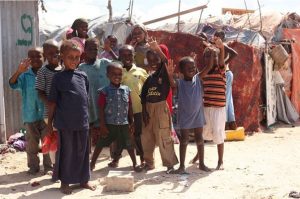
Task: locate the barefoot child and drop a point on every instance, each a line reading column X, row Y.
column 46, row 73
column 190, row 108
column 214, row 84
column 68, row 109
column 133, row 77
column 32, row 108
column 156, row 115
column 96, row 74
column 116, row 116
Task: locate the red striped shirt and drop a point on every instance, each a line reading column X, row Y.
column 214, row 90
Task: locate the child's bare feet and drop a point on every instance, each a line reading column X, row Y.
column 170, row 170
column 204, row 168
column 181, row 171
column 65, row 189
column 87, row 185
column 220, row 166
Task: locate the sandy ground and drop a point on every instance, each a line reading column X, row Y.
column 265, row 165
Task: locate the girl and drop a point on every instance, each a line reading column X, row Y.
column 190, row 108
column 156, row 114
column 68, row 107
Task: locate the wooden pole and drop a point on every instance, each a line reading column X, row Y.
column 175, row 15
column 109, row 7
column 178, row 24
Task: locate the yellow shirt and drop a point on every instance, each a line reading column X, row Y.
column 134, row 79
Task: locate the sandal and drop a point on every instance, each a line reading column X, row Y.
column 137, row 169
column 148, row 167
column 294, row 194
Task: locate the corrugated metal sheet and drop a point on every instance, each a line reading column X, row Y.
column 19, row 32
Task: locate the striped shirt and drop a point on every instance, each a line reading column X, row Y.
column 214, row 90
column 44, row 81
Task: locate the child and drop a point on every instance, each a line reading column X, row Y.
column 116, row 115
column 133, row 77
column 46, row 73
column 110, row 50
column 229, row 54
column 156, row 115
column 68, row 106
column 96, row 74
column 190, row 108
column 214, row 84
column 32, row 108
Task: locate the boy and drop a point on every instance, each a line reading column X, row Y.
column 96, row 74
column 46, row 73
column 229, row 54
column 133, row 77
column 68, row 108
column 116, row 117
column 214, row 84
column 32, row 108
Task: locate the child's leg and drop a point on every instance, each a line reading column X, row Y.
column 184, row 140
column 133, row 159
column 46, row 158
column 220, row 156
column 200, row 148
column 32, row 147
column 137, row 136
column 95, row 156
column 115, row 154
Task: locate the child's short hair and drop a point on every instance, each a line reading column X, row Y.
column 220, row 33
column 50, row 43
column 70, row 45
column 91, row 40
column 126, row 47
column 114, row 64
column 183, row 61
column 112, row 37
column 36, row 48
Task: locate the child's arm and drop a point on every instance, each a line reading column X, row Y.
column 51, row 111
column 170, row 67
column 207, row 68
column 154, row 46
column 108, row 49
column 219, row 44
column 42, row 95
column 103, row 128
column 145, row 114
column 130, row 117
column 23, row 66
column 232, row 53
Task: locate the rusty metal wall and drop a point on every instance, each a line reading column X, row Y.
column 19, row 31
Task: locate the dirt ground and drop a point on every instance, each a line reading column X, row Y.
column 265, row 165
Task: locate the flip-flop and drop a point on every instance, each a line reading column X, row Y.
column 294, row 194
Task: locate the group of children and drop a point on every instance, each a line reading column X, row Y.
column 125, row 101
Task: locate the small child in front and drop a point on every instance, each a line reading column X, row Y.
column 32, row 108
column 116, row 115
column 68, row 106
column 190, row 108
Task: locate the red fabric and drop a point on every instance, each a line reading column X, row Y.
column 247, row 70
column 49, row 143
column 102, row 99
column 165, row 50
column 295, row 92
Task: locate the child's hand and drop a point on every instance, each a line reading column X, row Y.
column 24, row 65
column 103, row 131
column 107, row 44
column 49, row 129
column 218, row 43
column 133, row 42
column 131, row 128
column 193, row 55
column 145, row 118
column 170, row 67
column 153, row 44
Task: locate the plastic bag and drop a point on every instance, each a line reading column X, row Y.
column 49, row 143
